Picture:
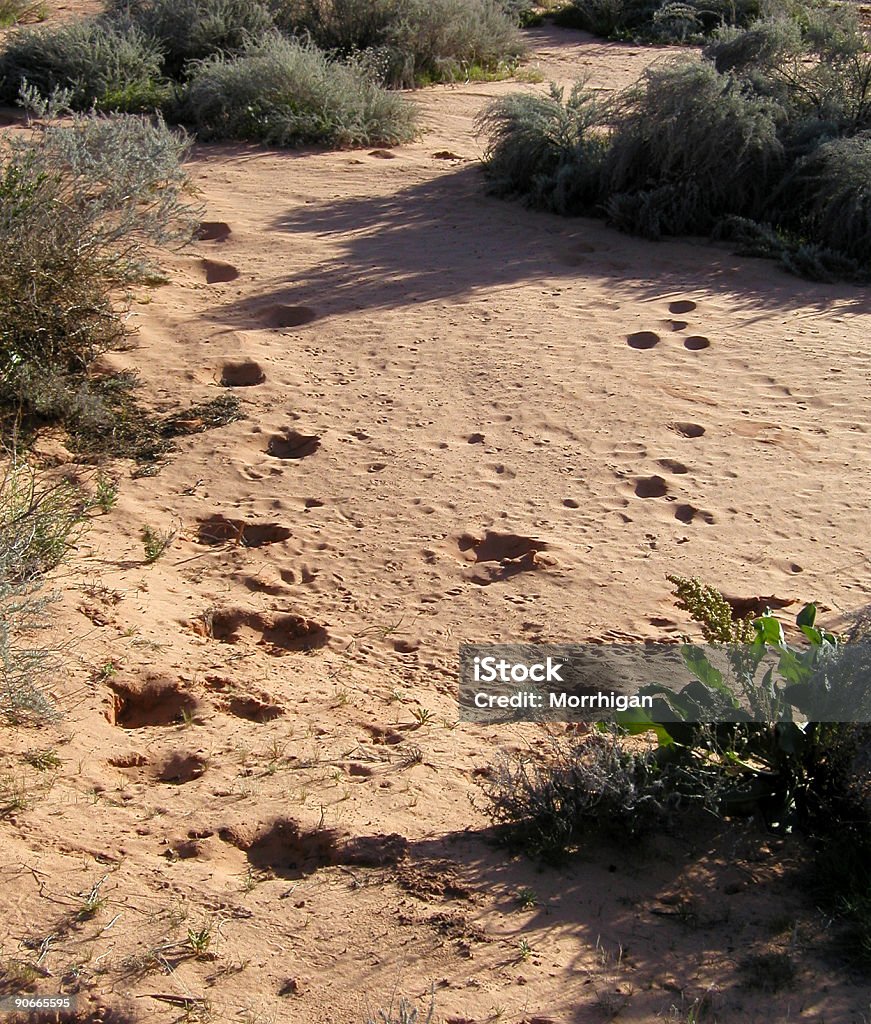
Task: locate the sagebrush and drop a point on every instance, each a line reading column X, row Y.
column 766, row 140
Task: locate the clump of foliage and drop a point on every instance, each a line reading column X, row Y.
column 409, row 42
column 780, row 737
column 662, row 21
column 287, row 92
column 766, row 141
column 85, row 207
column 95, row 62
column 39, row 523
column 190, row 30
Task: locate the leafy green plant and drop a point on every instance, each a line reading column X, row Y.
column 156, row 542
column 289, row 93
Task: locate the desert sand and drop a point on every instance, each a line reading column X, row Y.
column 463, row 420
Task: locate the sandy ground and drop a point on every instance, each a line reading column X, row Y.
column 463, row 421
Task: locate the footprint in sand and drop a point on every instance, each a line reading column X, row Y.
column 642, row 339
column 213, row 231
column 651, row 487
column 280, row 317
column 217, row 272
column 242, row 375
column 217, row 529
column 680, row 306
column 678, row 325
column 696, row 343
column 688, row 513
column 672, row 465
column 292, row 445
column 687, row 429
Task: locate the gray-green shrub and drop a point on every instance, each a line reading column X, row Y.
column 287, row 92
column 39, row 523
column 96, row 62
column 411, row 41
column 764, row 141
column 83, row 208
column 189, row 30
column 668, row 21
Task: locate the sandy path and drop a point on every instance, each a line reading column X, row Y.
column 433, row 380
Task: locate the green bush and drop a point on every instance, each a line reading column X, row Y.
column 189, row 30
column 289, row 93
column 83, row 207
column 94, row 62
column 664, row 21
column 547, row 148
column 14, row 12
column 409, row 41
column 690, row 149
column 765, row 142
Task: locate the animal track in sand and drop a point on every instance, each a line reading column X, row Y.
column 672, row 465
column 289, row 851
column 571, row 503
column 152, row 701
column 504, row 555
column 218, row 272
column 687, row 513
column 217, row 529
column 290, row 444
column 281, row 317
column 242, row 375
column 252, row 709
column 179, row 768
column 696, row 343
column 680, row 306
column 678, row 325
column 642, row 339
column 651, row 487
column 278, row 634
column 213, row 231
column 687, row 429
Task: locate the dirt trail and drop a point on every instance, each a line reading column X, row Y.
column 463, row 420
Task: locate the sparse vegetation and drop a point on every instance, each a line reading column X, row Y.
column 156, row 542
column 403, row 1013
column 764, row 142
column 39, row 524
column 16, row 12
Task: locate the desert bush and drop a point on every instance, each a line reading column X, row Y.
column 287, row 92
column 765, row 141
column 83, row 208
column 690, row 149
column 96, row 62
column 188, row 30
column 547, row 148
column 669, row 21
column 409, row 41
column 39, row 523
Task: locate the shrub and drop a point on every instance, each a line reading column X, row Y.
column 97, row 63
column 765, row 141
column 547, row 148
column 189, row 30
column 408, row 41
column 289, row 93
column 690, row 149
column 675, row 21
column 83, row 207
column 39, row 523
